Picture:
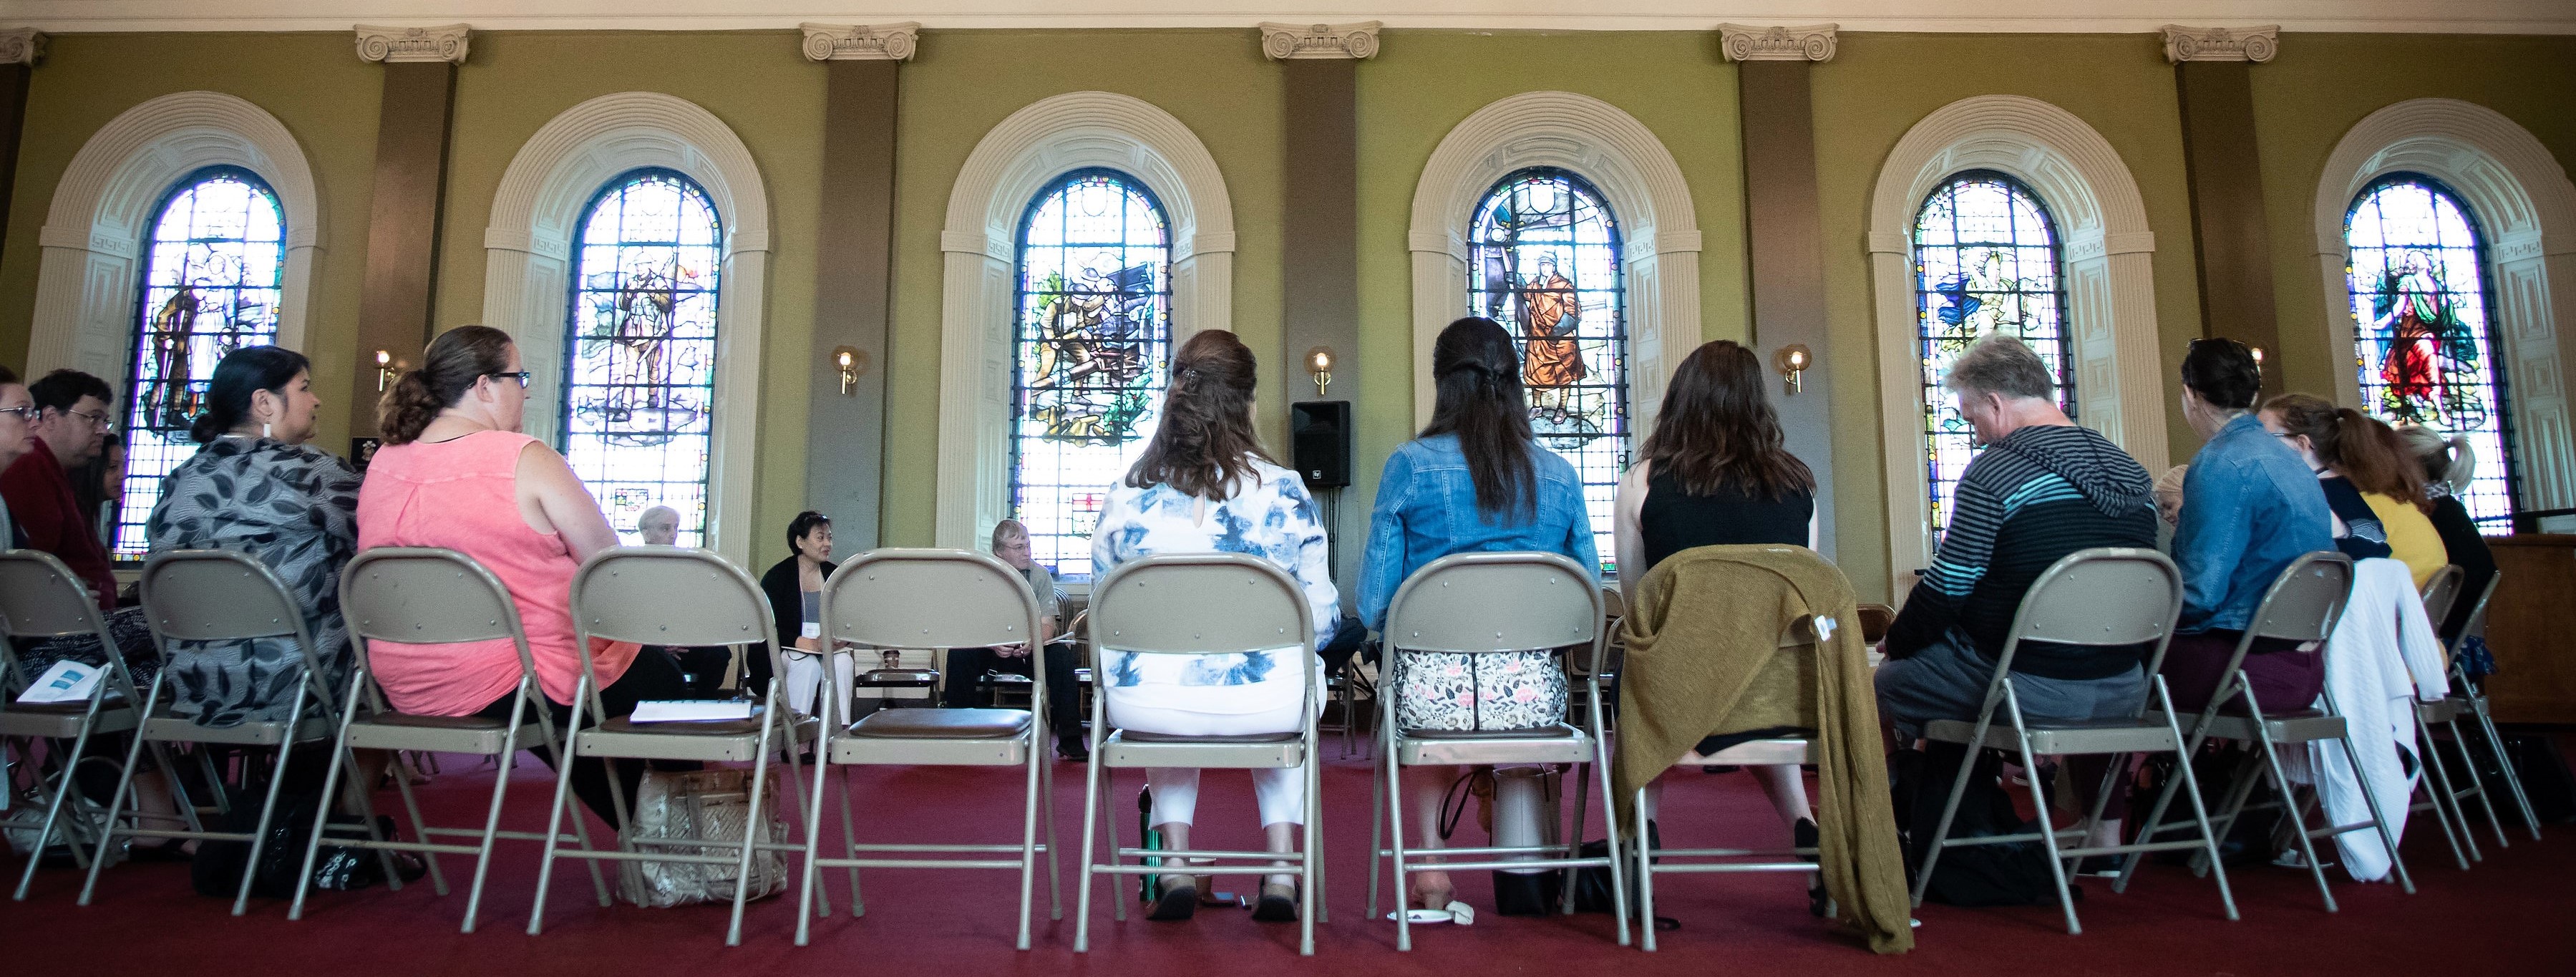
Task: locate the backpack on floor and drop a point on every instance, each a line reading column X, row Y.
column 2011, row 874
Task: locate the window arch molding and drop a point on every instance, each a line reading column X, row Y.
column 2107, row 254
column 1635, row 175
column 536, row 216
column 87, row 284
column 2525, row 207
column 1019, row 158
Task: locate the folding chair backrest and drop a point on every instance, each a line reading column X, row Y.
column 2476, row 625
column 2443, row 593
column 1199, row 603
column 217, row 595
column 2304, row 602
column 424, row 596
column 661, row 595
column 929, row 598
column 1496, row 602
column 2104, row 596
column 39, row 598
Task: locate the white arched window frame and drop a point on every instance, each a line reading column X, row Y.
column 1635, row 175
column 87, row 285
column 2108, row 274
column 1020, row 157
column 536, row 217
column 2526, row 207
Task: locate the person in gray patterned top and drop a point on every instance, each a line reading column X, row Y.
column 258, row 488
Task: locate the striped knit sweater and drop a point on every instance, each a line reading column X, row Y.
column 2025, row 502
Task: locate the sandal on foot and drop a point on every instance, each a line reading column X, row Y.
column 1278, row 904
column 1177, row 903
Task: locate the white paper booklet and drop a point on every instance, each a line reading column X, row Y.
column 690, row 710
column 67, row 681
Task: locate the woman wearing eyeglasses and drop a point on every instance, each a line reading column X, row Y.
column 456, row 473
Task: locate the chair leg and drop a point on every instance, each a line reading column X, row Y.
column 756, row 826
column 1610, row 833
column 1377, row 829
column 796, row 790
column 1393, row 771
column 1055, row 864
column 563, row 797
column 1029, row 832
column 2477, row 783
column 850, row 846
column 125, row 785
column 2047, row 828
column 2240, row 791
column 2446, row 809
column 492, row 822
column 2378, row 818
column 1090, row 832
column 2191, row 791
column 1574, row 835
column 340, row 758
column 419, row 827
column 808, row 873
column 1950, row 810
column 54, row 808
column 2504, row 762
column 1644, row 846
column 267, row 812
column 2297, row 814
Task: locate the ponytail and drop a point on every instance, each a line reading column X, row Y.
column 454, row 361
column 2356, row 445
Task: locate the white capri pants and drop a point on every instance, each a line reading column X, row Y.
column 1268, row 706
column 805, row 678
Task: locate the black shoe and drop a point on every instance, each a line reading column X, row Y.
column 2100, row 866
column 1073, row 747
column 1177, row 903
column 1278, row 904
column 1805, row 834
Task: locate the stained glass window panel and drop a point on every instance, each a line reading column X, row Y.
column 1092, row 348
column 213, row 271
column 2421, row 334
column 1544, row 262
column 1986, row 262
column 639, row 377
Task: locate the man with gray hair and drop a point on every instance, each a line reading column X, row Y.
column 2041, row 489
column 659, row 526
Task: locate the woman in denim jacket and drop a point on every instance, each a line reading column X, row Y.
column 1476, row 481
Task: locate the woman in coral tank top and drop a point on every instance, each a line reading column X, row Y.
column 455, row 473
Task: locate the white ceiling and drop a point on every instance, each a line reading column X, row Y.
column 2043, row 16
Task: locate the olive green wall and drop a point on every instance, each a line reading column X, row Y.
column 312, row 83
column 1420, row 86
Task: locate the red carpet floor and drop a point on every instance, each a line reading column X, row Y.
column 2510, row 915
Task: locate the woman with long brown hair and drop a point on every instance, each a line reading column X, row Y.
column 1475, row 481
column 1715, row 472
column 2372, row 482
column 1204, row 485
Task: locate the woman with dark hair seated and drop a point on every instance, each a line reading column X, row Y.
column 795, row 589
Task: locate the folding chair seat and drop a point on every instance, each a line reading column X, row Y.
column 691, row 598
column 433, row 597
column 1482, row 604
column 938, row 598
column 39, row 598
column 2303, row 605
column 2110, row 596
column 1201, row 604
column 220, row 595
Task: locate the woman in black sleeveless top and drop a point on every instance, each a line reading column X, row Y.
column 1714, row 473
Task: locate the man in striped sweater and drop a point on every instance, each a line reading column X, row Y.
column 2042, row 489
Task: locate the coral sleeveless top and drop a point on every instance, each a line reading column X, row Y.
column 463, row 495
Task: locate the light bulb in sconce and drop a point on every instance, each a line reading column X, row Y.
column 384, row 369
column 1793, row 361
column 2258, row 356
column 851, row 362
column 1319, row 364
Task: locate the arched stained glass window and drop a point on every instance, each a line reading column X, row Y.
column 2420, row 314
column 1093, row 344
column 213, row 274
column 640, row 359
column 1986, row 261
column 1545, row 263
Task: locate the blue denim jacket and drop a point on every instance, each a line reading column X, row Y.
column 2249, row 507
column 1426, row 509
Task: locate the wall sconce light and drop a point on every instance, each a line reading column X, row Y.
column 851, row 361
column 2258, row 358
column 384, row 370
column 1793, row 362
column 1319, row 364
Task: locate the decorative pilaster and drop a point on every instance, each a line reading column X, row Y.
column 2255, row 44
column 861, row 42
column 1812, row 42
column 22, row 46
column 1285, row 42
column 403, row 45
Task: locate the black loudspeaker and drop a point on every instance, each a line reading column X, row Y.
column 1320, row 431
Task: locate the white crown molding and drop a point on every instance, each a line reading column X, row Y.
column 1744, row 42
column 1281, row 42
column 396, row 45
column 861, row 42
column 1978, row 16
column 2255, row 44
column 24, row 45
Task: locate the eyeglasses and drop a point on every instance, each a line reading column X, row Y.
column 24, row 413
column 521, row 376
column 97, row 419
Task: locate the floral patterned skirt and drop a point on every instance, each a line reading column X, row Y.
column 1486, row 692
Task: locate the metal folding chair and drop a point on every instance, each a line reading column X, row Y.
column 2099, row 597
column 2446, row 801
column 433, row 597
column 2470, row 699
column 2302, row 605
column 936, row 598
column 39, row 598
column 220, row 595
column 1201, row 604
column 692, row 598
column 1800, row 638
column 1489, row 603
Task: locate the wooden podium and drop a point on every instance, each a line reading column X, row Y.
column 2528, row 626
